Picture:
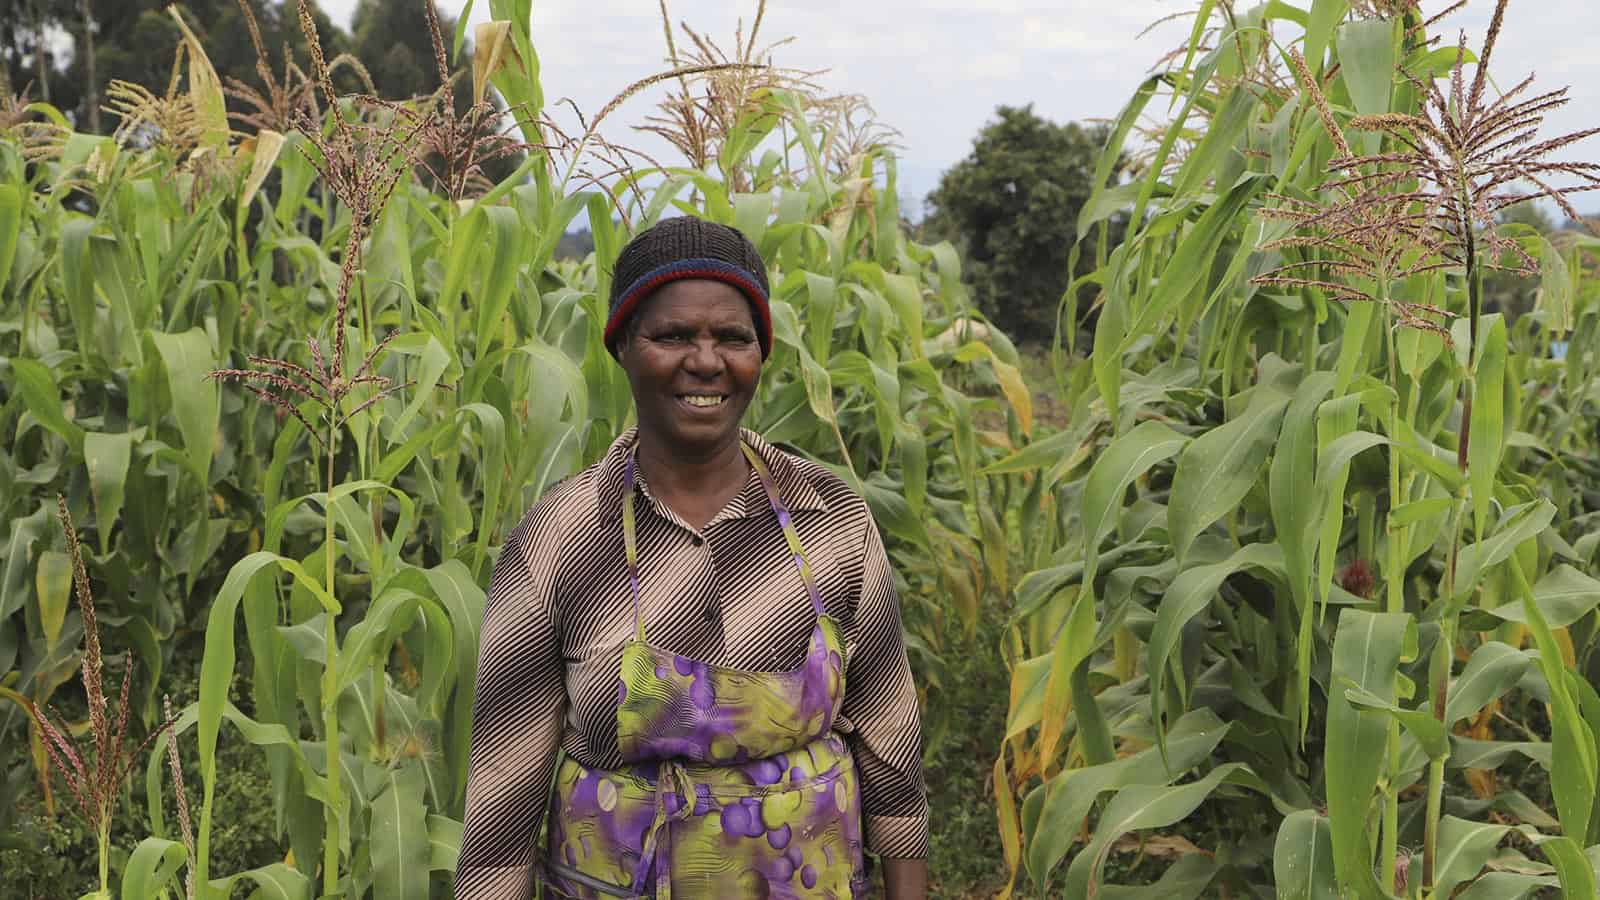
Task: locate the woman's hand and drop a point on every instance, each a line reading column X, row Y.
column 905, row 879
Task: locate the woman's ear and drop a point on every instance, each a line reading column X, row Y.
column 622, row 347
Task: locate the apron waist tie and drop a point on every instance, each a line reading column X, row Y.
column 673, row 780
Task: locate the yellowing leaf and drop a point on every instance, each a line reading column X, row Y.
column 205, row 89
column 494, row 49
column 1010, row 378
column 1157, row 846
column 265, row 147
column 53, row 582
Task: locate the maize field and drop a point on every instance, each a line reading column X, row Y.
column 1300, row 599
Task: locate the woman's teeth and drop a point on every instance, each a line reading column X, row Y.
column 704, row 400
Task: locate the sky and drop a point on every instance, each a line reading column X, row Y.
column 935, row 70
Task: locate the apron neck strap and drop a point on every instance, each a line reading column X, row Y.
column 630, row 532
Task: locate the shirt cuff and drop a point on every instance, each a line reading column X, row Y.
column 898, row 837
column 494, row 882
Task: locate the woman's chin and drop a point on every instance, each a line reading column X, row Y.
column 699, row 427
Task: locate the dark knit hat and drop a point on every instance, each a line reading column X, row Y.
column 687, row 247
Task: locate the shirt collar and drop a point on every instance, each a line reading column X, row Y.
column 794, row 488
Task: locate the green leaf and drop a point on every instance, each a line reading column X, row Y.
column 1573, row 753
column 37, row 385
column 466, row 240
column 1366, row 651
column 1325, row 16
column 491, row 469
column 1191, row 592
column 1218, row 469
column 1185, row 879
column 1419, row 511
column 1488, row 426
column 395, row 461
column 1438, row 62
column 1367, row 64
column 401, row 852
column 216, row 674
column 275, row 882
column 1137, row 808
column 1519, row 524
column 1335, row 419
column 1127, row 458
column 1112, row 154
column 435, row 359
column 1221, row 136
column 1428, row 731
column 1564, row 595
column 1295, row 520
column 10, row 229
column 458, row 592
column 444, row 843
column 151, row 867
column 1555, row 288
column 1302, row 858
column 505, row 255
column 77, row 278
column 1466, row 753
column 1464, row 849
column 905, row 297
column 106, row 456
column 1572, row 867
column 1069, row 795
column 1505, row 886
column 188, row 360
column 1352, row 347
column 25, row 531
column 1194, row 253
column 1493, row 669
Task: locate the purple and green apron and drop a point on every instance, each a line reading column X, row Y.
column 736, row 784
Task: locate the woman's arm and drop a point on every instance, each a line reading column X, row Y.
column 516, row 727
column 886, row 734
column 905, row 879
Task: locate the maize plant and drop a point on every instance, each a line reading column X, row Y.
column 298, row 381
column 1326, row 593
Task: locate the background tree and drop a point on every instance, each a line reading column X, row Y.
column 134, row 40
column 31, row 33
column 391, row 39
column 1012, row 207
column 1511, row 292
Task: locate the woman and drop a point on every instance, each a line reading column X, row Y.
column 705, row 627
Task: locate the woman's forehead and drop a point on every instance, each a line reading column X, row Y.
column 697, row 300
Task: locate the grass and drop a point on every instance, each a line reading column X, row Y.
column 964, row 855
column 54, row 855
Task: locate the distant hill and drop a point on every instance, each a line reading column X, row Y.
column 575, row 244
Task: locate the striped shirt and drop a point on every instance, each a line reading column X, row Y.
column 559, row 613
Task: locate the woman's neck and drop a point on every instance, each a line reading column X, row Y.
column 695, row 485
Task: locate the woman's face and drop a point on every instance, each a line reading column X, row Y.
column 693, row 361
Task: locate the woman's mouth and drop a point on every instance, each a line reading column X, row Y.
column 703, row 401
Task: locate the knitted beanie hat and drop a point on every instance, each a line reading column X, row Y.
column 687, row 247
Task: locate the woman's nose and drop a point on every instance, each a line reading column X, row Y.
column 704, row 358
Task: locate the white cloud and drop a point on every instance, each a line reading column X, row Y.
column 936, row 69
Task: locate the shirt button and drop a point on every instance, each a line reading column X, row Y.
column 710, row 614
column 697, row 540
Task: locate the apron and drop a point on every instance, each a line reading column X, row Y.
column 736, row 784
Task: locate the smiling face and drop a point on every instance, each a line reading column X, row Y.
column 693, row 361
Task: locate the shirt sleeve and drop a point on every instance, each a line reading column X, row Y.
column 880, row 702
column 516, row 726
